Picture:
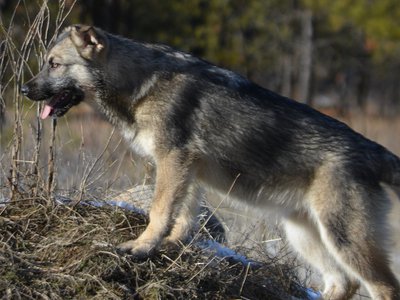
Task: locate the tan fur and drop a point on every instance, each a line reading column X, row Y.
column 367, row 259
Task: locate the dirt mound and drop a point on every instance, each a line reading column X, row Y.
column 56, row 251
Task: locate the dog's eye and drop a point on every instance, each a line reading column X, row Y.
column 54, row 65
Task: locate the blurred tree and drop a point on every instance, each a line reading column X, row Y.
column 367, row 34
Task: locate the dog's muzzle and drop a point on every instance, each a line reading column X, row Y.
column 59, row 103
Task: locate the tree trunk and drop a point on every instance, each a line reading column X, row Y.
column 305, row 56
column 286, row 87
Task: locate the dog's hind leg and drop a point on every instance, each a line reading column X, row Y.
column 351, row 222
column 304, row 237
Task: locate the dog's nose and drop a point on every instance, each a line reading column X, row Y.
column 25, row 90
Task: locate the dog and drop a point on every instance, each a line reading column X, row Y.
column 207, row 126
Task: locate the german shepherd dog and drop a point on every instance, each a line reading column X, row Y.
column 204, row 125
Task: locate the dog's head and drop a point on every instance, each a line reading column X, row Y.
column 66, row 77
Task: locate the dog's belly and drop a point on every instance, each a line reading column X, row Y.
column 280, row 197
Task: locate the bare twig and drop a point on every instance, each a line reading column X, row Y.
column 90, row 170
column 51, row 163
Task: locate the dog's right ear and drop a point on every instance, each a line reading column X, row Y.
column 89, row 42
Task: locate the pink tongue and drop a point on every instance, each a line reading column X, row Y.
column 46, row 111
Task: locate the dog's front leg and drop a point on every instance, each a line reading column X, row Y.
column 186, row 218
column 173, row 178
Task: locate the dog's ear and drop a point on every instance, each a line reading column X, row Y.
column 87, row 40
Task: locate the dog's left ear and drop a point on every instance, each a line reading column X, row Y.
column 87, row 40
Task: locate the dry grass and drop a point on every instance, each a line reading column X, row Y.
column 54, row 251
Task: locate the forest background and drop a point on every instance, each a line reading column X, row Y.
column 342, row 54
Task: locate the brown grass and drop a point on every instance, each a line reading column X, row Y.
column 53, row 251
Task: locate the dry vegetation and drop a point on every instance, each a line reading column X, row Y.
column 57, row 251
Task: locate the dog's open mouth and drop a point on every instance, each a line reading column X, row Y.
column 60, row 103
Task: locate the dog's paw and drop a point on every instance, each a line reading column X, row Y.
column 139, row 250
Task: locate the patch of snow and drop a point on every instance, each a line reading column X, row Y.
column 125, row 205
column 225, row 252
column 313, row 295
column 62, row 200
